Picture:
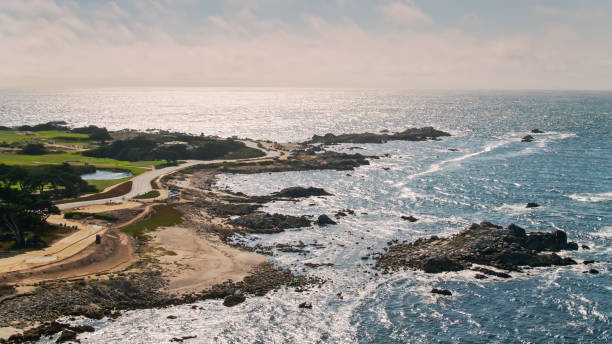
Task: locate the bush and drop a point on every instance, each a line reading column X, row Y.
column 54, row 125
column 100, row 134
column 33, row 149
column 77, row 215
column 150, row 194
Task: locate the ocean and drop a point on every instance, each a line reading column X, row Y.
column 489, row 175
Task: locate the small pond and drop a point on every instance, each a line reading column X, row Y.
column 105, row 175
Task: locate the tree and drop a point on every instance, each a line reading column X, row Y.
column 99, row 134
column 34, row 149
column 22, row 212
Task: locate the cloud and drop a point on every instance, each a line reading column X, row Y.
column 78, row 46
column 404, row 13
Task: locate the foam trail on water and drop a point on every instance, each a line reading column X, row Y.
column 592, row 197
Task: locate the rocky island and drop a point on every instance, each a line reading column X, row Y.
column 508, row 248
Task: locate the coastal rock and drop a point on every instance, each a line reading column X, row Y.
column 490, row 272
column 233, row 300
column 301, row 192
column 532, row 205
column 537, row 131
column 66, row 336
column 260, row 222
column 305, row 305
column 541, row 241
column 91, row 311
column 527, row 138
column 484, row 244
column 324, row 220
column 409, row 218
column 412, row 134
column 444, row 292
column 587, row 262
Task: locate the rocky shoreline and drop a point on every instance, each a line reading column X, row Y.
column 97, row 299
column 143, row 286
column 222, row 213
column 411, row 134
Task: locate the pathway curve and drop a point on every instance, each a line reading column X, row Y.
column 84, row 237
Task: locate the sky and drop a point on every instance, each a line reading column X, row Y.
column 414, row 44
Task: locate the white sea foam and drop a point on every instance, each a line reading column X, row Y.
column 605, row 232
column 513, row 209
column 592, row 197
column 455, row 161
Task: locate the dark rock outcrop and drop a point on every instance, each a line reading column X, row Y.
column 532, row 205
column 409, row 218
column 412, row 134
column 305, row 305
column 66, row 336
column 325, row 220
column 233, row 300
column 301, row 192
column 537, row 131
column 527, row 138
column 485, row 244
column 260, row 222
column 444, row 292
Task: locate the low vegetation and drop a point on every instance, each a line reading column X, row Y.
column 150, row 194
column 161, row 216
column 76, row 215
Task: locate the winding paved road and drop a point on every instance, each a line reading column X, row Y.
column 141, row 184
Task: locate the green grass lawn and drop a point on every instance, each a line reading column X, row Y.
column 73, row 159
column 103, row 184
column 161, row 216
column 12, row 136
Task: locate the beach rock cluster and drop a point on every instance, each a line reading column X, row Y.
column 265, row 223
column 412, row 134
column 507, row 248
column 97, row 299
column 300, row 192
column 68, row 333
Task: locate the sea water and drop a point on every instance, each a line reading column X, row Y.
column 490, row 177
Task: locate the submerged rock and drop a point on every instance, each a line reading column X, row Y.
column 445, row 292
column 532, row 205
column 233, row 300
column 260, row 222
column 409, row 218
column 537, row 131
column 66, row 336
column 306, row 305
column 485, row 244
column 527, row 138
column 325, row 220
column 301, row 192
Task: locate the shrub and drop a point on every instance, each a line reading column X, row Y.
column 33, row 149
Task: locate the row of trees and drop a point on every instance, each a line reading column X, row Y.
column 25, row 197
column 146, row 148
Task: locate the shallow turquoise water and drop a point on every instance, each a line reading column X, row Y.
column 567, row 170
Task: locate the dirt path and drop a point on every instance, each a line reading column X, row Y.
column 62, row 249
column 115, row 253
column 195, row 263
